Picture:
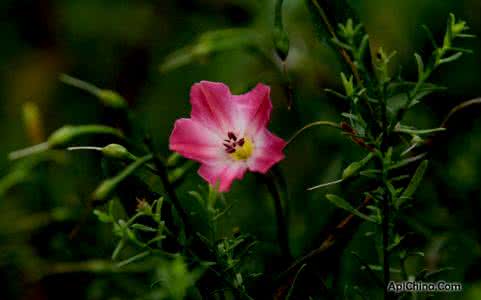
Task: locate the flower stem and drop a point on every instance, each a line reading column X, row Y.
column 317, row 123
column 169, row 189
column 80, row 84
column 459, row 107
column 28, row 151
column 282, row 234
column 84, row 148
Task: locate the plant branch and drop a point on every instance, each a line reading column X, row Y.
column 169, row 189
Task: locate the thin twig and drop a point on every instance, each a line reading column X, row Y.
column 317, row 123
column 458, row 108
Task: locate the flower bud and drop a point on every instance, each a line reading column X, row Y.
column 281, row 43
column 112, row 99
column 117, row 151
column 281, row 39
column 64, row 135
column 144, row 207
column 107, row 97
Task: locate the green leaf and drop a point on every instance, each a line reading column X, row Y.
column 419, row 62
column 341, row 203
column 118, row 248
column 451, row 58
column 355, row 167
column 281, row 39
column 144, row 228
column 414, row 183
column 363, row 46
column 324, row 184
column 337, row 94
column 348, row 84
column 133, row 258
column 407, row 161
column 103, row 217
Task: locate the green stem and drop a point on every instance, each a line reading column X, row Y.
column 63, row 136
column 317, row 123
column 133, row 258
column 459, row 107
column 80, row 84
column 93, row 148
column 169, row 189
column 28, row 151
column 108, row 186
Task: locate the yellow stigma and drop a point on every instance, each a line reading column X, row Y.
column 243, row 152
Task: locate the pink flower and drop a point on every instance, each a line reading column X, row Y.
column 227, row 133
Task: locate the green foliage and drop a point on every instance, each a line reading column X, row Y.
column 173, row 238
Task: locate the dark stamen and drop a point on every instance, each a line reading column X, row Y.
column 227, row 145
column 241, row 142
column 230, row 150
column 231, row 136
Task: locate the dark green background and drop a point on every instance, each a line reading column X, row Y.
column 120, row 45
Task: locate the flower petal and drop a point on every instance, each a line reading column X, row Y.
column 224, row 174
column 267, row 151
column 212, row 106
column 254, row 109
column 194, row 141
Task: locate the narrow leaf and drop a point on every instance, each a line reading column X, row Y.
column 355, row 167
column 415, row 181
column 419, row 62
column 341, row 203
column 451, row 58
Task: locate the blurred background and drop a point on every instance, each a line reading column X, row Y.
column 149, row 51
